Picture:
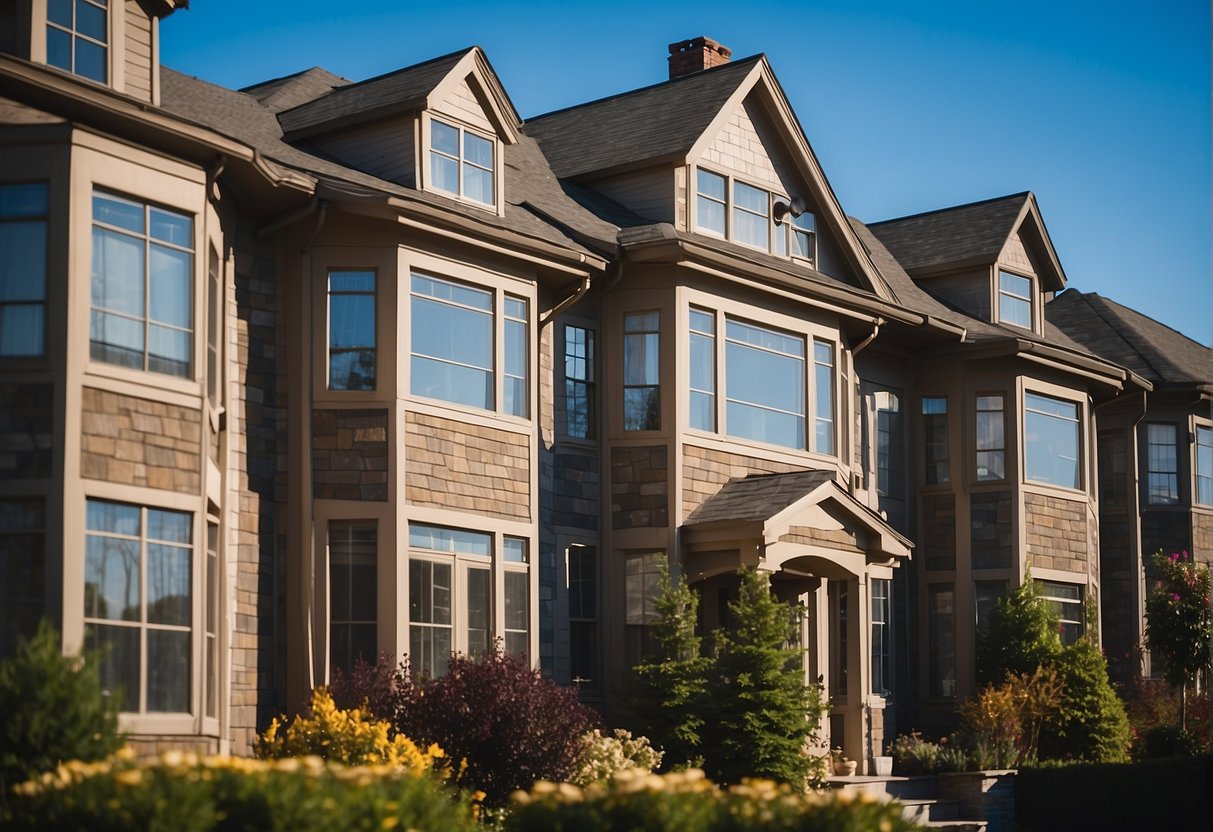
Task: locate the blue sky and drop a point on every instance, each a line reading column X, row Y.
column 1102, row 109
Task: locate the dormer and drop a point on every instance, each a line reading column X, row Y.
column 991, row 259
column 441, row 126
column 114, row 43
column 717, row 153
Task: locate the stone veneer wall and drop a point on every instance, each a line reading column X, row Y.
column 639, row 487
column 1165, row 529
column 349, row 455
column 140, row 442
column 704, row 471
column 1056, row 532
column 466, row 466
column 939, row 531
column 990, row 533
column 26, row 422
column 1202, row 537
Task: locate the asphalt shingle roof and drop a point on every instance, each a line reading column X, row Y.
column 291, row 91
column 1131, row 339
column 624, row 130
column 757, row 496
column 963, row 233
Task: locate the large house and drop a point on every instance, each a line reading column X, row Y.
column 321, row 369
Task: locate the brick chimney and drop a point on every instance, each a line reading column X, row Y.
column 692, row 55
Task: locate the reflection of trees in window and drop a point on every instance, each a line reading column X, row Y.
column 579, row 382
column 991, row 444
column 641, row 371
column 642, row 586
column 351, row 330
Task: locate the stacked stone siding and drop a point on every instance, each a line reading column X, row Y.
column 828, row 538
column 639, row 487
column 349, row 455
column 704, row 471
column 1202, row 537
column 140, row 442
column 939, row 531
column 576, row 486
column 1165, row 529
column 1056, row 532
column 26, row 420
column 467, row 467
column 990, row 533
column 1118, row 615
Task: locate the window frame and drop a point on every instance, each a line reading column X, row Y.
column 462, row 130
column 588, row 622
column 589, row 383
column 109, row 47
column 1070, row 627
column 1174, row 497
column 1079, row 425
column 27, row 218
column 931, row 460
column 781, row 236
column 1202, row 473
column 941, row 663
column 652, row 422
column 330, row 349
column 978, row 450
column 349, row 561
column 638, row 623
column 1030, row 298
column 881, row 640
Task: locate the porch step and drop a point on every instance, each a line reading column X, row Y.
column 918, row 797
column 956, row 825
column 923, row 811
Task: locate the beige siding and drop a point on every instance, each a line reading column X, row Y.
column 829, row 538
column 739, row 149
column 1015, row 256
column 138, row 52
column 650, row 193
column 140, row 442
column 463, row 105
column 467, row 467
column 383, row 149
column 1057, row 534
column 704, row 471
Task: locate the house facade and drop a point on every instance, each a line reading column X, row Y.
column 382, row 367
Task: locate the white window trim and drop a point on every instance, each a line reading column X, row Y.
column 425, row 177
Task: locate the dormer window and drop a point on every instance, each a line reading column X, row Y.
column 734, row 210
column 1014, row 300
column 77, row 37
column 461, row 162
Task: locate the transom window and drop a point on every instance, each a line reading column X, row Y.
column 991, row 442
column 1204, row 465
column 23, row 250
column 138, row 603
column 77, row 34
column 1162, row 465
column 579, row 361
column 352, row 330
column 461, row 162
column 453, row 336
column 1014, row 300
column 744, row 213
column 1052, row 440
column 142, row 286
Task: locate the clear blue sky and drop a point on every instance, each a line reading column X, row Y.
column 1101, row 108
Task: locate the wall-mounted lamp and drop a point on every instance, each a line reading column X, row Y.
column 781, row 209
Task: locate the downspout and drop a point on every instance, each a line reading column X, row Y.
column 578, row 294
column 862, row 345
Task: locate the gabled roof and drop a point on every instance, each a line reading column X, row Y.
column 292, row 90
column 401, row 91
column 1131, row 339
column 757, row 497
column 961, row 234
column 637, row 128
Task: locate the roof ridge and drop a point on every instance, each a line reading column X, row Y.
column 1152, row 320
column 638, row 90
column 950, row 208
column 289, row 77
column 1086, row 298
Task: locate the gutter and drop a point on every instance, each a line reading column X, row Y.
column 556, row 310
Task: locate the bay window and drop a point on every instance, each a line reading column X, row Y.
column 1162, row 465
column 889, row 447
column 23, row 251
column 142, row 287
column 1066, row 605
column 1052, row 438
column 1204, row 465
column 642, row 587
column 941, row 641
column 703, row 370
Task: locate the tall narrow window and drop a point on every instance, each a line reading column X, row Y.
column 1113, row 469
column 641, row 371
column 138, row 603
column 710, row 202
column 1162, row 465
column 1204, row 465
column 987, row 595
column 839, row 597
column 764, row 387
column 77, row 37
column 583, row 616
column 142, row 292
column 890, row 450
column 353, row 616
column 452, row 342
column 935, row 439
column 751, row 216
column 941, row 635
column 882, row 641
column 579, row 382
column 22, row 569
column 214, row 327
column 430, row 597
column 1014, row 300
column 210, row 623
column 804, row 237
column 1051, row 440
column 23, row 249
column 515, row 394
column 991, row 444
column 351, row 330
column 823, row 378
column 703, row 370
column 461, row 162
column 517, row 597
column 642, row 586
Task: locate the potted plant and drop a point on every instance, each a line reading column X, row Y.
column 843, row 766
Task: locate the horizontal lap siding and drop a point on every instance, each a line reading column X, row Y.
column 138, row 52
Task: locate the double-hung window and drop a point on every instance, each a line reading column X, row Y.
column 351, row 330
column 711, row 204
column 935, row 438
column 751, row 216
column 142, row 286
column 991, row 443
column 1204, row 465
column 352, row 593
column 642, row 371
column 1052, row 438
column 579, row 367
column 453, row 335
column 890, row 448
column 139, row 602
column 1015, row 300
column 23, row 251
column 461, row 162
column 1162, row 465
column 77, row 37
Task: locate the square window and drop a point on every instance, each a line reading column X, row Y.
column 462, row 163
column 77, row 37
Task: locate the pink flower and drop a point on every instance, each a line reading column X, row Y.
column 1174, row 596
column 1173, row 557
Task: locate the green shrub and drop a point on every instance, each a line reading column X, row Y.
column 186, row 794
column 914, row 754
column 1164, row 741
column 1002, row 723
column 1022, row 635
column 1091, row 723
column 52, row 709
column 604, row 756
column 686, row 802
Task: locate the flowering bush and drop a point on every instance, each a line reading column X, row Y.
column 344, row 736
column 603, row 756
column 1151, row 705
column 686, row 801
column 914, row 754
column 1179, row 620
column 186, row 793
column 1002, row 723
